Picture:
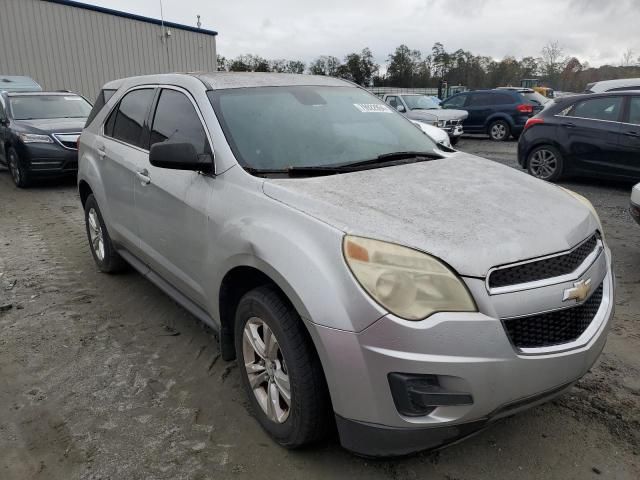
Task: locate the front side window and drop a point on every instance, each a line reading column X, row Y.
column 126, row 122
column 176, row 121
column 306, row 126
column 482, row 100
column 607, row 108
column 30, row 107
column 420, row 102
column 634, row 111
column 455, row 102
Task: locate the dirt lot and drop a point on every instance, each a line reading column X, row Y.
column 104, row 377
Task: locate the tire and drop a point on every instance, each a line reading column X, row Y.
column 105, row 255
column 306, row 418
column 19, row 173
column 546, row 163
column 499, row 131
column 454, row 140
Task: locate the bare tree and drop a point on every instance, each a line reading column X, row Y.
column 553, row 61
column 627, row 58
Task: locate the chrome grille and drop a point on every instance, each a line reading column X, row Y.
column 542, row 269
column 553, row 328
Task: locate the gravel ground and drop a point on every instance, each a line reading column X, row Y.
column 104, row 377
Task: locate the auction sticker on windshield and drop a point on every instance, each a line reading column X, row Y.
column 372, row 108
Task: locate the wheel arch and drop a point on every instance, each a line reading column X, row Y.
column 498, row 116
column 84, row 189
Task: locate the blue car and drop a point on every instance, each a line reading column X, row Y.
column 499, row 113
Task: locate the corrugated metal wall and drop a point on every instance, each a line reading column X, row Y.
column 64, row 47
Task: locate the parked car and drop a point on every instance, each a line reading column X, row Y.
column 635, row 203
column 425, row 109
column 619, row 85
column 498, row 113
column 13, row 83
column 358, row 273
column 436, row 134
column 39, row 133
column 588, row 135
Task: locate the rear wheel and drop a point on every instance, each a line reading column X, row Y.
column 499, row 131
column 545, row 162
column 280, row 369
column 103, row 251
column 19, row 173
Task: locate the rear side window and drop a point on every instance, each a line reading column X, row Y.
column 177, row 121
column 634, row 111
column 126, row 122
column 607, row 108
column 484, row 99
column 102, row 98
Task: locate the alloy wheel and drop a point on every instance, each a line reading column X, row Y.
column 95, row 234
column 266, row 370
column 498, row 131
column 543, row 164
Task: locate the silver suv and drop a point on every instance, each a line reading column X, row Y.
column 361, row 275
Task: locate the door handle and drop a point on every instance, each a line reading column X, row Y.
column 101, row 151
column 569, row 125
column 632, row 134
column 143, row 176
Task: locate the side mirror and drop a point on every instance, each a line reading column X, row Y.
column 4, row 122
column 401, row 108
column 179, row 156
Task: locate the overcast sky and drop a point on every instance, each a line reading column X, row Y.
column 597, row 31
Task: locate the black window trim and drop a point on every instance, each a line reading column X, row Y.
column 117, row 105
column 621, row 116
column 154, row 106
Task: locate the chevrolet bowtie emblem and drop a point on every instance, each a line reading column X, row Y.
column 579, row 292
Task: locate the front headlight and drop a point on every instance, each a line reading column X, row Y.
column 587, row 204
column 442, row 123
column 408, row 283
column 34, row 138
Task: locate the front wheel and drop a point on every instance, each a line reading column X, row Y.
column 545, row 162
column 499, row 131
column 280, row 369
column 454, row 140
column 19, row 173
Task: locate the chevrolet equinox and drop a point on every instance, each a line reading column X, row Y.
column 361, row 275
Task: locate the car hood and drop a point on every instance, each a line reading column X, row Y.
column 438, row 114
column 51, row 125
column 470, row 212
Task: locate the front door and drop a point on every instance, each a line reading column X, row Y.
column 4, row 132
column 171, row 205
column 630, row 138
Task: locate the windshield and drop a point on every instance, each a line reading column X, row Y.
column 49, row 106
column 274, row 128
column 420, row 102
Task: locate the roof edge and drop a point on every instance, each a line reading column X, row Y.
column 131, row 16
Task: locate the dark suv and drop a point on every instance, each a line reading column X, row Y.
column 498, row 113
column 39, row 133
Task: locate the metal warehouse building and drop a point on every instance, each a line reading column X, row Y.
column 69, row 45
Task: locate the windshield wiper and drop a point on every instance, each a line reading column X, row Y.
column 318, row 170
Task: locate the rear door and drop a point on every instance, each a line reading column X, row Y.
column 121, row 153
column 591, row 132
column 630, row 137
column 171, row 205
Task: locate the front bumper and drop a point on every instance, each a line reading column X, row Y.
column 48, row 159
column 453, row 129
column 469, row 353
